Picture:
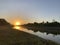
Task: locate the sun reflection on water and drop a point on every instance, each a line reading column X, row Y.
column 22, row 29
column 16, row 27
column 19, row 28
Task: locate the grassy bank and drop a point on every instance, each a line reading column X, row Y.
column 16, row 37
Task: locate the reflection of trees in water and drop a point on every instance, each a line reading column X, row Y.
column 43, row 30
column 53, row 27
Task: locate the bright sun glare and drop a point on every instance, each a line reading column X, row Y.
column 17, row 23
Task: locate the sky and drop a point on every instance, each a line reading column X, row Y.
column 27, row 11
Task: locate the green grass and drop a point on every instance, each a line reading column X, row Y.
column 16, row 37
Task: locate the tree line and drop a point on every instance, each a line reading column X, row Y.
column 47, row 24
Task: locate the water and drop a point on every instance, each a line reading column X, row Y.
column 55, row 38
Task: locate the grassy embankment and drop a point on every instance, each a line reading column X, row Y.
column 16, row 37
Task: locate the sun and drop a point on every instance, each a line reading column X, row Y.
column 17, row 23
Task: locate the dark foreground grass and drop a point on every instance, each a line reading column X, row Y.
column 16, row 37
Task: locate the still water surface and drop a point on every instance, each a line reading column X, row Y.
column 55, row 38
